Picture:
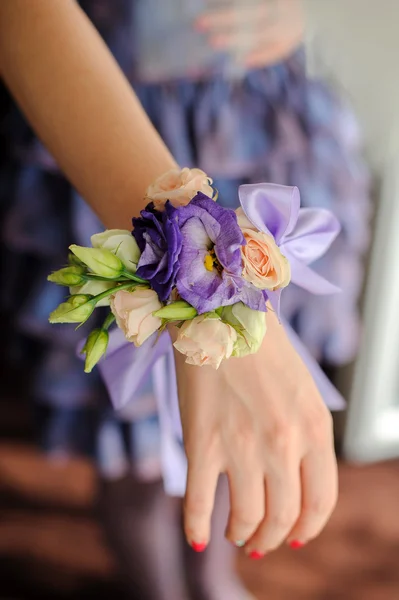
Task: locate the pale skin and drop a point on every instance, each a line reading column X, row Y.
column 260, row 418
column 259, row 32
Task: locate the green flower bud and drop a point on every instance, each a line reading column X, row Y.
column 93, row 288
column 94, row 348
column 77, row 309
column 176, row 311
column 100, row 261
column 250, row 325
column 73, row 260
column 121, row 243
column 69, row 276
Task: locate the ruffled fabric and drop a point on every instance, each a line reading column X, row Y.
column 272, row 125
column 275, row 125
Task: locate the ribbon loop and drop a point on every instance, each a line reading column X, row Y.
column 303, row 234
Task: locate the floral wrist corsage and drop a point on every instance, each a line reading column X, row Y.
column 188, row 261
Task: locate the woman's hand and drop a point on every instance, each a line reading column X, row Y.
column 258, row 33
column 261, row 420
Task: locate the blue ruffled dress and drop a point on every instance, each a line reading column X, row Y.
column 272, row 124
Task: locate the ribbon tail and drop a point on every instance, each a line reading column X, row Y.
column 309, row 280
column 124, row 370
column 173, row 458
column 275, row 301
column 125, row 367
column 328, row 392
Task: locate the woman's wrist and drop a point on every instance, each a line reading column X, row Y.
column 80, row 104
column 191, row 263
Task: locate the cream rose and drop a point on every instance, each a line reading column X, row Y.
column 133, row 313
column 179, row 187
column 263, row 263
column 206, row 341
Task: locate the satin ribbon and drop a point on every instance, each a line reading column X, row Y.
column 303, row 236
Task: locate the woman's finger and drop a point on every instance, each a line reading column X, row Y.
column 283, row 504
column 319, row 475
column 271, row 50
column 232, row 17
column 247, row 502
column 202, row 479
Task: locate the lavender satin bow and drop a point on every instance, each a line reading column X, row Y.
column 302, row 234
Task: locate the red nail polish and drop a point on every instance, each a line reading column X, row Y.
column 256, row 555
column 296, row 544
column 198, row 547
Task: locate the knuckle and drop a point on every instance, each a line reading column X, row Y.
column 284, row 520
column 245, row 443
column 281, row 441
column 245, row 521
column 321, row 508
column 316, row 508
column 279, row 436
column 244, row 436
column 331, row 503
column 201, row 444
column 319, row 427
column 190, row 445
column 196, row 506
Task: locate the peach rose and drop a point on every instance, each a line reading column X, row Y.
column 206, row 341
column 263, row 263
column 133, row 313
column 179, row 187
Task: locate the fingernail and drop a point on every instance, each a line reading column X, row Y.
column 256, row 555
column 198, row 547
column 296, row 544
column 239, row 543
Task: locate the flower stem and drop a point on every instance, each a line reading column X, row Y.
column 89, row 277
column 125, row 275
column 133, row 277
column 123, row 286
column 108, row 321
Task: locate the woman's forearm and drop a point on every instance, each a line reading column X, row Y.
column 81, row 106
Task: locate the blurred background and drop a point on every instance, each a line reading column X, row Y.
column 82, row 511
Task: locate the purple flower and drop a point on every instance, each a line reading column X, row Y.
column 158, row 236
column 210, row 259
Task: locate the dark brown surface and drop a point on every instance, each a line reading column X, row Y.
column 52, row 547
